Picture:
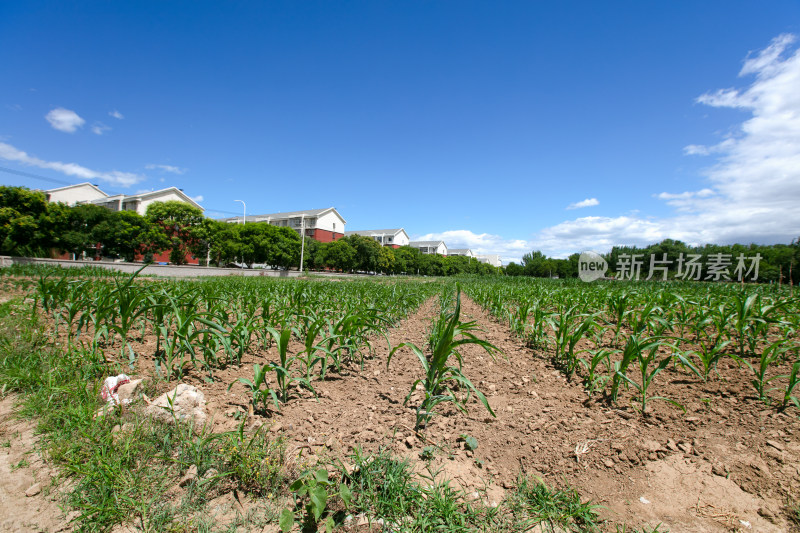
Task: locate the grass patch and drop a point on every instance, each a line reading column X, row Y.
column 124, row 467
column 533, row 502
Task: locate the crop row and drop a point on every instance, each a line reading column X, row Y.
column 213, row 323
column 621, row 335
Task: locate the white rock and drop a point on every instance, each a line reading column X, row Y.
column 191, row 475
column 33, row 490
column 130, row 391
column 188, row 405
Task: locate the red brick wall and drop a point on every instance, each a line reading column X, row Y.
column 163, row 257
column 323, row 235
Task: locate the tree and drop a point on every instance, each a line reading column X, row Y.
column 406, row 260
column 313, row 255
column 386, row 260
column 177, row 219
column 367, row 252
column 126, row 234
column 22, row 212
column 252, row 243
column 340, row 255
column 284, row 247
column 74, row 227
column 203, row 237
column 513, row 269
column 17, row 231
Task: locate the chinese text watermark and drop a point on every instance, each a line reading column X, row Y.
column 718, row 267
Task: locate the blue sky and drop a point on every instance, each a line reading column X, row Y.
column 500, row 126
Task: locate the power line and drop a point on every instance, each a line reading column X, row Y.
column 28, row 175
column 63, row 182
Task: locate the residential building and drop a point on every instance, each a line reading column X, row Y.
column 87, row 193
column 493, row 260
column 430, row 247
column 323, row 225
column 466, row 252
column 139, row 202
column 394, row 238
column 75, row 194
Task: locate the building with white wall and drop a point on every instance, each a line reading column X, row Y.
column 430, row 247
column 75, row 194
column 87, row 193
column 493, row 260
column 323, row 225
column 139, row 202
column 465, row 252
column 394, row 238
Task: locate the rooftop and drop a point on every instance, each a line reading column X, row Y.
column 425, row 243
column 375, row 232
column 289, row 214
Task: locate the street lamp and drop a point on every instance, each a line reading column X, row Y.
column 244, row 211
column 302, row 240
column 244, row 220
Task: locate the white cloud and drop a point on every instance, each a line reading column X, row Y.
column 589, row 202
column 116, row 114
column 684, row 201
column 751, row 190
column 198, row 198
column 98, row 128
column 481, row 243
column 123, row 179
column 167, row 168
column 64, row 120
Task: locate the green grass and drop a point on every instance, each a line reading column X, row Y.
column 385, row 487
column 532, row 502
column 123, row 476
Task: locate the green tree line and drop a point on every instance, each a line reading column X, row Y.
column 775, row 262
column 31, row 226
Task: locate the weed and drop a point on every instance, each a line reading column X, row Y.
column 314, row 485
column 23, row 463
column 532, row 502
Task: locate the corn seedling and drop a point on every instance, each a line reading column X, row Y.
column 633, row 347
column 711, row 352
column 283, row 369
column 309, row 356
column 649, row 368
column 771, row 354
column 440, row 376
column 794, row 379
column 260, row 395
column 595, row 380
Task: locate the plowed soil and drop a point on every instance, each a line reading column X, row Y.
column 730, row 463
